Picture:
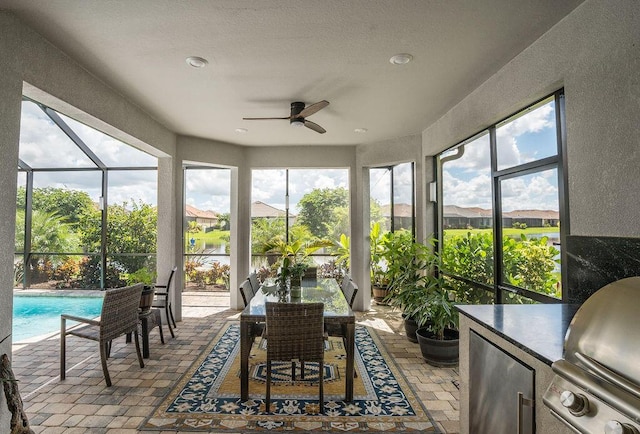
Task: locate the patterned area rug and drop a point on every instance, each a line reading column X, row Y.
column 207, row 397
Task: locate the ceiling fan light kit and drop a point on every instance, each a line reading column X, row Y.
column 298, row 115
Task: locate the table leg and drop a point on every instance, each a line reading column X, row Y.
column 245, row 350
column 350, row 337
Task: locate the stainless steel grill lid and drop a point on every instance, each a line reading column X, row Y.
column 604, row 335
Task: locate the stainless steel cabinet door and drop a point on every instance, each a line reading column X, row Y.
column 501, row 390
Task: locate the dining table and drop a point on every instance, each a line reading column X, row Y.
column 336, row 312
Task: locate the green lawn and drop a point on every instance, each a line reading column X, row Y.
column 213, row 237
column 506, row 231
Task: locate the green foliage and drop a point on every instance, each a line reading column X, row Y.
column 128, row 231
column 318, row 209
column 264, row 231
column 142, row 275
column 341, row 249
column 378, row 262
column 527, row 263
column 68, row 204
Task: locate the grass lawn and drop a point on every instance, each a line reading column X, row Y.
column 506, row 231
column 213, row 237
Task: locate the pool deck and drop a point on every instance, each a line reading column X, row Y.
column 83, row 404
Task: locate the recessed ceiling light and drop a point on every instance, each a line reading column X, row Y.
column 360, row 130
column 241, row 130
column 401, row 59
column 197, row 62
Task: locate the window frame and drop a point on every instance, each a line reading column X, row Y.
column 557, row 162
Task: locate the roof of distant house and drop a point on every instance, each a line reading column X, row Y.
column 191, row 211
column 399, row 210
column 475, row 212
column 261, row 209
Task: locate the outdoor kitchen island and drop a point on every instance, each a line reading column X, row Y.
column 506, row 352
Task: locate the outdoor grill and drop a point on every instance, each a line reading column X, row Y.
column 596, row 388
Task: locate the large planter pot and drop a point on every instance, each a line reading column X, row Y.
column 436, row 352
column 410, row 328
column 379, row 293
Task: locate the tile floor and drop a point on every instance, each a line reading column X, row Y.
column 83, row 404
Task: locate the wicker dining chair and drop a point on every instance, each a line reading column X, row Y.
column 350, row 289
column 163, row 300
column 295, row 333
column 246, row 291
column 119, row 316
column 253, row 280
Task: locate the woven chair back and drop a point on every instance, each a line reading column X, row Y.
column 350, row 290
column 120, row 311
column 253, row 279
column 295, row 331
column 246, row 291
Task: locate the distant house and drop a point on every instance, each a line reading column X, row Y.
column 207, row 220
column 456, row 217
column 262, row 210
column 402, row 215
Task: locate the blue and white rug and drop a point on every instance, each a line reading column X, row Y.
column 207, row 397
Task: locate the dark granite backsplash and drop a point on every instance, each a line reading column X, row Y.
column 593, row 262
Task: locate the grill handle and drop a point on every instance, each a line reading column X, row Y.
column 522, row 401
column 607, row 374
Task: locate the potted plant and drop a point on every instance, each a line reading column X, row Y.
column 439, row 340
column 295, row 256
column 378, row 264
column 411, row 270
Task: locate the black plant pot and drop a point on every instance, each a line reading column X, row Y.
column 442, row 353
column 410, row 328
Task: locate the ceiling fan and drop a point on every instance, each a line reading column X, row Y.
column 299, row 114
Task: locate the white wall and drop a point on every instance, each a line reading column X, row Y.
column 595, row 54
column 54, row 79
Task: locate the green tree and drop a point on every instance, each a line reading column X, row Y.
column 130, row 229
column 318, row 209
column 67, row 204
column 263, row 232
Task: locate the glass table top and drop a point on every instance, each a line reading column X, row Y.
column 325, row 291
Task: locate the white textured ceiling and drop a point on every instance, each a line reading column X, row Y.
column 264, row 54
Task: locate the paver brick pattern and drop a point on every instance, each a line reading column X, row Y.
column 83, row 404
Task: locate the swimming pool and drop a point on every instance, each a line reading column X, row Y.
column 35, row 315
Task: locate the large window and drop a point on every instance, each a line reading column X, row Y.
column 86, row 206
column 502, row 200
column 206, row 228
column 392, row 197
column 299, row 205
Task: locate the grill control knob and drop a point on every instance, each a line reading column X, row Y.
column 577, row 404
column 615, row 427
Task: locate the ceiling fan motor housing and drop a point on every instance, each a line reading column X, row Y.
column 296, row 108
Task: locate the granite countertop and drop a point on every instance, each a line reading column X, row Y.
column 538, row 329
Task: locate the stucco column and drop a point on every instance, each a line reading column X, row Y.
column 240, row 231
column 169, row 253
column 10, row 105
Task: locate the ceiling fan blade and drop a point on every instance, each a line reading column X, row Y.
column 309, row 110
column 261, row 119
column 315, row 127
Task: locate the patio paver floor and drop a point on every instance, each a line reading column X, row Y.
column 83, row 404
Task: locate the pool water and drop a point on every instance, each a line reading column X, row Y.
column 38, row 315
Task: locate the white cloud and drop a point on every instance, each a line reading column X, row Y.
column 537, row 191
